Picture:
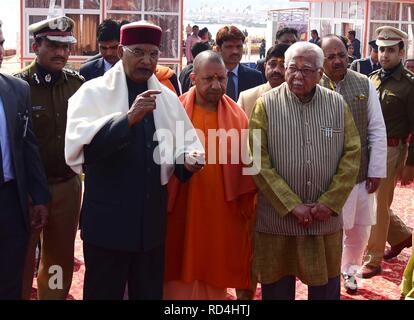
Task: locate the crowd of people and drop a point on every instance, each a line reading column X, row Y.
column 226, row 177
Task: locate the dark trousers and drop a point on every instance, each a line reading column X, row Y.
column 285, row 289
column 13, row 243
column 107, row 272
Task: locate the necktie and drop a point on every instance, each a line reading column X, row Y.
column 1, row 167
column 231, row 90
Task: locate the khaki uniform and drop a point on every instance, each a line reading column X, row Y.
column 396, row 95
column 49, row 108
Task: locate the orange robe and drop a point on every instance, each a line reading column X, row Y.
column 209, row 237
column 163, row 75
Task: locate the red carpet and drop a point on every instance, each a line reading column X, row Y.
column 385, row 286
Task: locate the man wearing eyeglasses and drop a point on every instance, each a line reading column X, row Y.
column 310, row 150
column 275, row 75
column 51, row 86
column 121, row 131
column 360, row 95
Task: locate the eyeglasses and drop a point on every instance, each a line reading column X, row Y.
column 140, row 54
column 305, row 71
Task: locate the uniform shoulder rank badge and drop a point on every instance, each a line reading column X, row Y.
column 36, row 78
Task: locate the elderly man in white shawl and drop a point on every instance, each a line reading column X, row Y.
column 129, row 134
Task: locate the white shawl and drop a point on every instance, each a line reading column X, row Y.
column 106, row 97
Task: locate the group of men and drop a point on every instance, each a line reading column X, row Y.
column 176, row 216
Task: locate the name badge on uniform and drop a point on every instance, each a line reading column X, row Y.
column 38, row 108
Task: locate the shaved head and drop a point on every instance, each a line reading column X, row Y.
column 210, row 79
column 207, row 56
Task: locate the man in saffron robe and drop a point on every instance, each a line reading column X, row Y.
column 208, row 246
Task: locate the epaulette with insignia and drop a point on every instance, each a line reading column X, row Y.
column 74, row 74
column 409, row 75
column 374, row 73
column 23, row 74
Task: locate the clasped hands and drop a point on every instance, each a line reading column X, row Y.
column 306, row 214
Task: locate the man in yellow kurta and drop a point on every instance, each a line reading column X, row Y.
column 309, row 161
column 208, row 245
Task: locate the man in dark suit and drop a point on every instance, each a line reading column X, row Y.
column 108, row 41
column 370, row 64
column 229, row 40
column 110, row 134
column 184, row 78
column 21, row 175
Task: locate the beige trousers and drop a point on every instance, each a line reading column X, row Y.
column 57, row 244
column 389, row 227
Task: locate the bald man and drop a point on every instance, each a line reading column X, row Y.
column 208, row 247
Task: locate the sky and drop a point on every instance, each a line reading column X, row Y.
column 10, row 12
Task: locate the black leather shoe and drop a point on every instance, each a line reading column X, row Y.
column 396, row 250
column 367, row 272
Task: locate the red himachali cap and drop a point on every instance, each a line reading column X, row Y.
column 140, row 32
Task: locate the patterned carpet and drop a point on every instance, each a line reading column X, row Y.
column 383, row 287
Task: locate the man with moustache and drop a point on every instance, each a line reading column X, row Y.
column 362, row 99
column 299, row 205
column 230, row 41
column 51, row 86
column 275, row 75
column 395, row 87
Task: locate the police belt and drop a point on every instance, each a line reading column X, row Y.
column 393, row 142
column 56, row 180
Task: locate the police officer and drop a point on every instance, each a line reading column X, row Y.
column 370, row 64
column 51, row 87
column 395, row 87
